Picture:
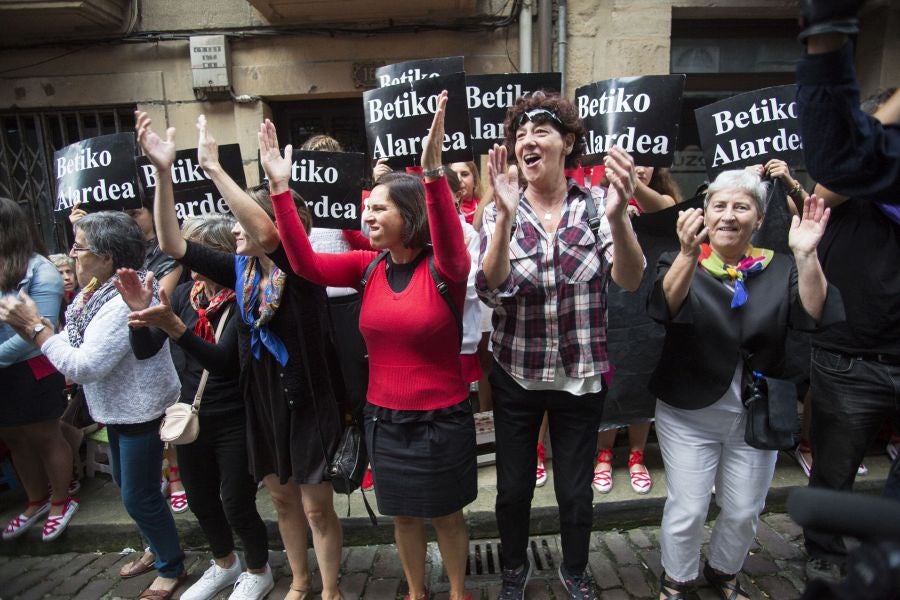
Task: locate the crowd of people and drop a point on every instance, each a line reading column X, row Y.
column 281, row 329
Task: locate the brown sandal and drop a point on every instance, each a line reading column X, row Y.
column 149, row 594
column 136, row 567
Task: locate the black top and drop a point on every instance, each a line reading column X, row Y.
column 705, row 339
column 193, row 354
column 158, row 261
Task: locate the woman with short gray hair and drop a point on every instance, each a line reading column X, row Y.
column 127, row 394
column 726, row 307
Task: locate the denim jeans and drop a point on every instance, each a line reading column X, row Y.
column 851, row 400
column 136, row 463
column 573, row 432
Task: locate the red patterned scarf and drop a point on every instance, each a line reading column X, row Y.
column 208, row 307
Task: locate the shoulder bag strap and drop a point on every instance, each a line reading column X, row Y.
column 444, row 291
column 195, row 407
column 371, row 267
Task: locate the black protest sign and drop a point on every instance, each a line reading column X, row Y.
column 96, row 174
column 750, row 129
column 638, row 114
column 331, row 183
column 399, row 117
column 195, row 194
column 414, row 70
column 489, row 96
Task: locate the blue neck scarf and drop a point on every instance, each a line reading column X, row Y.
column 248, row 272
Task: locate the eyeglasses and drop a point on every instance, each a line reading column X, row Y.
column 539, row 113
column 77, row 248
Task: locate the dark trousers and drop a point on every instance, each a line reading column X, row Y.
column 573, row 433
column 220, row 490
column 851, row 400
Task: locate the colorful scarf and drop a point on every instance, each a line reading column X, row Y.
column 248, row 300
column 88, row 303
column 206, row 308
column 753, row 263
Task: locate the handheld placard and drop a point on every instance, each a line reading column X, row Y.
column 96, row 174
column 398, row 119
column 749, row 129
column 414, row 70
column 638, row 114
column 195, row 194
column 489, row 96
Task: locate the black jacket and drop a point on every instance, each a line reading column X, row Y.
column 705, row 339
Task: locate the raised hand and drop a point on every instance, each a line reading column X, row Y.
column 505, row 181
column 691, row 231
column 778, row 169
column 807, row 230
column 20, row 312
column 137, row 295
column 622, row 178
column 276, row 166
column 433, row 146
column 381, row 168
column 207, row 148
column 77, row 213
column 160, row 152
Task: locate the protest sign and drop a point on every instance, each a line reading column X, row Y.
column 414, row 70
column 638, row 114
column 399, row 117
column 750, row 129
column 96, row 174
column 331, row 183
column 489, row 96
column 195, row 194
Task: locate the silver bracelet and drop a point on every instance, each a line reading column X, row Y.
column 434, row 173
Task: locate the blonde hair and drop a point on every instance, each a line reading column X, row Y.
column 62, row 260
column 211, row 230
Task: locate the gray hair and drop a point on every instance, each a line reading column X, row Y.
column 743, row 180
column 213, row 230
column 62, row 260
column 114, row 234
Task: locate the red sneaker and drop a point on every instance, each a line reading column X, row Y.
column 368, row 482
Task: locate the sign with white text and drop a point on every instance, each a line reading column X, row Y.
column 414, row 70
column 398, row 119
column 750, row 129
column 96, row 174
column 331, row 183
column 489, row 96
column 638, row 114
column 195, row 193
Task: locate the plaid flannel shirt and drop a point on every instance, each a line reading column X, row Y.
column 551, row 309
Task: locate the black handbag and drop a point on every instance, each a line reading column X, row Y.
column 348, row 465
column 771, row 411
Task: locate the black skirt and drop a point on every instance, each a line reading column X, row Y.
column 423, row 468
column 28, row 400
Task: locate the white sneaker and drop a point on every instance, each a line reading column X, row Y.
column 252, row 586
column 214, row 580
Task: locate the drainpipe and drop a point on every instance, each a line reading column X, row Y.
column 545, row 35
column 525, row 36
column 562, row 39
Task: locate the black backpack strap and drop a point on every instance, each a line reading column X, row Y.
column 371, row 267
column 593, row 218
column 444, row 291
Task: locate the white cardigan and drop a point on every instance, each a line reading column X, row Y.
column 119, row 388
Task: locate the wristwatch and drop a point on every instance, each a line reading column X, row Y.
column 36, row 330
column 434, row 173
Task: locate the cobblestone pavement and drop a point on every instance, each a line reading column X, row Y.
column 625, row 565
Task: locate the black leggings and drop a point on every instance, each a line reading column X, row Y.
column 220, row 491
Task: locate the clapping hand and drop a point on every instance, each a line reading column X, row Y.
column 622, row 178
column 807, row 230
column 207, row 148
column 691, row 231
column 276, row 166
column 505, row 181
column 160, row 152
column 434, row 143
column 160, row 316
column 136, row 295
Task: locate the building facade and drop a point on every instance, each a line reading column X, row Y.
column 70, row 70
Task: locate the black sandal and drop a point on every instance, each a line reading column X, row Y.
column 666, row 584
column 728, row 589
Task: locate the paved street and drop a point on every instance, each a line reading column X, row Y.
column 625, row 565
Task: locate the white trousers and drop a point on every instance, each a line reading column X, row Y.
column 701, row 448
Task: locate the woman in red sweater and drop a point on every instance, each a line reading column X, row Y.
column 419, row 429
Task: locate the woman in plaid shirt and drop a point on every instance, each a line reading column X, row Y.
column 545, row 272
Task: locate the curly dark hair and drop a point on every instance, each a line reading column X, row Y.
column 556, row 104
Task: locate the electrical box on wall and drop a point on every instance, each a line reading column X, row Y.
column 210, row 63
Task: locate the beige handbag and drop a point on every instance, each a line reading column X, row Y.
column 181, row 423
